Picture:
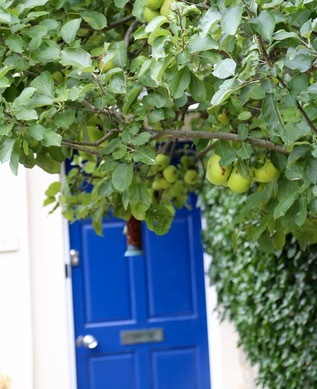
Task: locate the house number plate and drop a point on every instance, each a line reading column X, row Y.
column 153, row 335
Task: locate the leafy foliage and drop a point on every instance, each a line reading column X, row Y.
column 270, row 298
column 94, row 82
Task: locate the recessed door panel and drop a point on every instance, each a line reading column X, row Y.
column 112, row 372
column 170, row 271
column 175, row 369
column 107, row 274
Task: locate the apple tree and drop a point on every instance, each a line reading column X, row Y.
column 139, row 94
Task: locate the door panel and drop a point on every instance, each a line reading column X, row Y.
column 147, row 312
column 179, row 365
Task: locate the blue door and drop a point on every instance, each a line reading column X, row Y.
column 140, row 322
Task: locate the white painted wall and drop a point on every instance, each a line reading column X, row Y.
column 16, row 347
column 51, row 291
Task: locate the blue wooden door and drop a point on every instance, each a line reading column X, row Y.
column 147, row 312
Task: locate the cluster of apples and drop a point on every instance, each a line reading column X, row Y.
column 230, row 176
column 173, row 182
column 154, row 8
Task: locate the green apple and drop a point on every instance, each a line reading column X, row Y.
column 266, row 173
column 191, row 177
column 149, row 14
column 215, row 173
column 165, row 9
column 162, row 161
column 170, row 174
column 154, row 4
column 160, row 183
column 237, row 183
column 177, row 188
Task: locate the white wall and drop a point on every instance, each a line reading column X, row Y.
column 52, row 309
column 15, row 284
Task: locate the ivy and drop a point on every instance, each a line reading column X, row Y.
column 270, row 297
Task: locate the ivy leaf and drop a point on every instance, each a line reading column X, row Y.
column 122, row 176
column 158, row 219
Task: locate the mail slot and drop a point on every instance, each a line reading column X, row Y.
column 152, row 335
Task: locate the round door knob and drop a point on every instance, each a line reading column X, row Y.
column 87, row 341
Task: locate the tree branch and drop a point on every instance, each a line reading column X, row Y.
column 218, row 135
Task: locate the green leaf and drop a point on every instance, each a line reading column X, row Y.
column 6, row 150
column 156, row 116
column 158, row 219
column 264, row 25
column 120, row 3
column 210, row 18
column 96, row 20
column 53, row 189
column 65, row 118
column 78, row 58
column 28, row 4
column 225, row 68
column 5, row 129
column 311, row 170
column 145, row 155
column 69, row 30
column 44, row 84
column 111, row 146
column 301, row 62
column 27, row 114
column 224, row 91
column 117, row 84
column 51, row 138
column 231, row 20
column 15, row 43
column 198, row 43
column 24, row 97
column 130, row 97
column 178, row 82
column 284, row 205
column 141, row 139
column 36, row 131
column 122, row 176
column 104, row 187
column 271, row 114
column 197, row 88
column 139, row 194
